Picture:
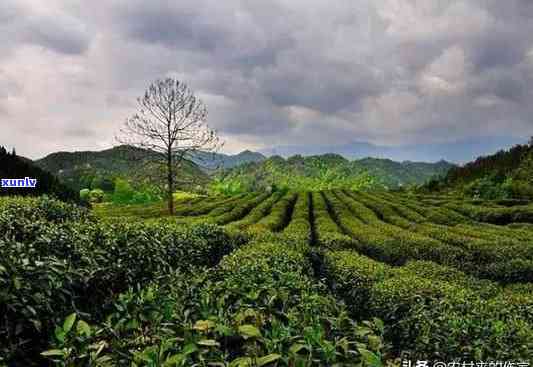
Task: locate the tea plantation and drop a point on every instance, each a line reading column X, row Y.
column 331, row 278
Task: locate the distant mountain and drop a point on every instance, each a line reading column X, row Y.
column 330, row 171
column 213, row 161
column 459, row 152
column 505, row 174
column 13, row 166
column 91, row 169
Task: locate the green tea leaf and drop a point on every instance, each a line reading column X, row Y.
column 295, row 348
column 82, row 328
column 59, row 334
column 69, row 322
column 263, row 361
column 249, row 331
column 370, row 358
column 203, row 325
column 52, row 353
column 241, row 362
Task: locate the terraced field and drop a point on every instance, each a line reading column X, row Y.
column 449, row 279
column 333, row 278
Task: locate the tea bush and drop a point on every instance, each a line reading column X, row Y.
column 257, row 213
column 260, row 306
column 279, row 216
column 52, row 265
column 300, row 224
column 431, row 313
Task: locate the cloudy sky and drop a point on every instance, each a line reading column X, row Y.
column 390, row 72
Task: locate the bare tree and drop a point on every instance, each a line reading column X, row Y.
column 171, row 125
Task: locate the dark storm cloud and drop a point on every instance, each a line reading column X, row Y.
column 324, row 86
column 172, row 27
column 272, row 73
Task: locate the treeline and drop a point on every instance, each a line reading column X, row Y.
column 13, row 166
column 505, row 174
column 324, row 172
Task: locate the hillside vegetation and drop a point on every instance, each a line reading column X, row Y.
column 504, row 175
column 13, row 166
column 81, row 170
column 328, row 171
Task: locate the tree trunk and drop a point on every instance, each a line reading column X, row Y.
column 170, row 184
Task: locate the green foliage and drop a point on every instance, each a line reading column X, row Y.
column 56, row 259
column 96, row 196
column 300, row 224
column 433, row 312
column 489, row 188
column 280, row 215
column 84, row 195
column 99, row 170
column 451, row 279
column 228, row 188
column 126, row 194
column 123, row 191
column 259, row 212
column 238, row 211
column 325, row 172
column 105, row 184
column 106, row 293
column 259, row 307
column 506, row 174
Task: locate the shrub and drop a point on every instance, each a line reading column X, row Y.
column 352, row 276
column 328, row 233
column 123, row 191
column 84, row 195
column 239, row 210
column 96, row 196
column 300, row 224
column 438, row 320
column 57, row 260
column 259, row 306
column 432, row 312
column 279, row 216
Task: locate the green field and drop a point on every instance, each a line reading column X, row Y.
column 330, row 278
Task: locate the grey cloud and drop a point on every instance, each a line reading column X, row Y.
column 277, row 72
column 172, row 27
column 21, row 24
column 65, row 35
column 506, row 85
column 497, row 50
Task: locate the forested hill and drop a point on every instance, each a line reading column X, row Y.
column 13, row 166
column 329, row 171
column 81, row 170
column 213, row 161
column 506, row 174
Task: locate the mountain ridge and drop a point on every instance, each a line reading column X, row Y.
column 458, row 152
column 329, row 171
column 81, row 169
